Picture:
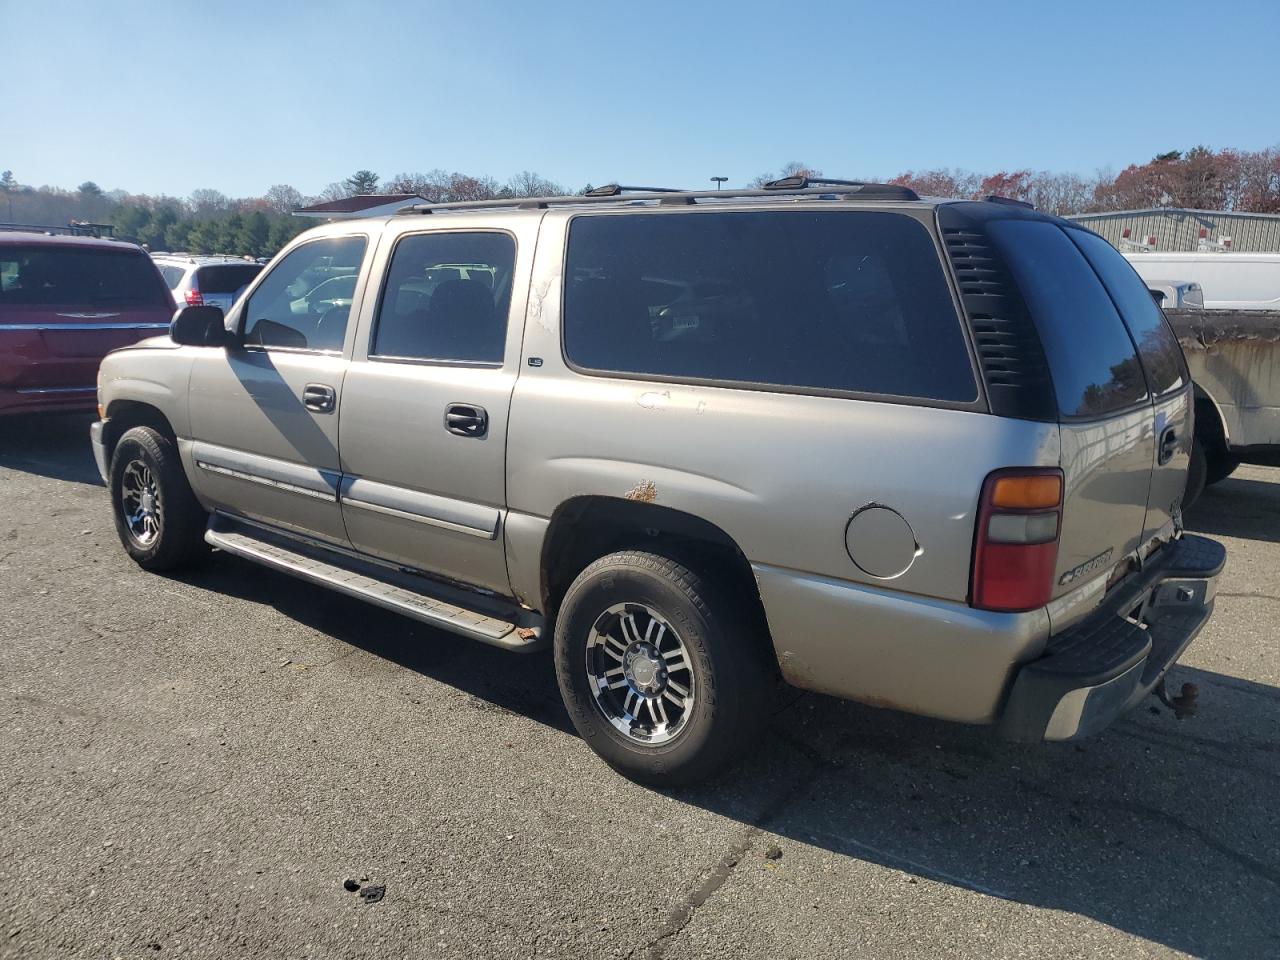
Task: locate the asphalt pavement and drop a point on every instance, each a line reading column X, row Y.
column 193, row 765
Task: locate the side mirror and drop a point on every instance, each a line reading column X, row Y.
column 199, row 327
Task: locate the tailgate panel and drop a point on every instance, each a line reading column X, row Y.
column 1107, row 468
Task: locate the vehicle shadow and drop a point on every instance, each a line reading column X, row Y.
column 1163, row 829
column 1238, row 507
column 54, row 445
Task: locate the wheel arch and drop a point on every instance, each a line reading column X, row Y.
column 1210, row 422
column 124, row 415
column 585, row 528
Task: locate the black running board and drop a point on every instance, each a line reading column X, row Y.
column 477, row 616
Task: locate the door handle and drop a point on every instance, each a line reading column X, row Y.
column 319, row 397
column 466, row 420
column 1168, row 446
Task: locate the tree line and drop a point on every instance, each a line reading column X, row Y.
column 208, row 221
column 1200, row 178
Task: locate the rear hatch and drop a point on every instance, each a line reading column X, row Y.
column 64, row 307
column 1121, row 388
column 219, row 285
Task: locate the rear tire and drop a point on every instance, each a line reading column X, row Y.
column 158, row 519
column 638, row 635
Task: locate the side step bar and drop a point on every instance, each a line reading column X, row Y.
column 487, row 619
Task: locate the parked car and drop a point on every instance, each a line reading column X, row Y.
column 1177, row 294
column 900, row 451
column 206, row 280
column 1234, row 358
column 1230, row 280
column 65, row 302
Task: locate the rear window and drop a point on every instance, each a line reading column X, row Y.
column 1157, row 346
column 48, row 275
column 226, row 279
column 1092, row 361
column 839, row 301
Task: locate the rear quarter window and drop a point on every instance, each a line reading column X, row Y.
column 839, row 301
column 1157, row 345
column 1092, row 360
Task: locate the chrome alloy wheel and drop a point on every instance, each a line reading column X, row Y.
column 640, row 673
column 140, row 503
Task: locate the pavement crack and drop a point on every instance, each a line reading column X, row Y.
column 722, row 869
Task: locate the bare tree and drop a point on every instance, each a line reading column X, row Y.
column 283, row 198
column 526, row 184
column 208, row 203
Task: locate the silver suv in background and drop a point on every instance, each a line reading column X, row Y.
column 210, row 281
column 927, row 455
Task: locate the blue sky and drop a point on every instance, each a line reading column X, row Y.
column 167, row 98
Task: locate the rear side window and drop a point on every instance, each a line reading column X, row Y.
column 173, row 276
column 64, row 276
column 447, row 297
column 835, row 300
column 1157, row 346
column 1091, row 358
column 229, row 278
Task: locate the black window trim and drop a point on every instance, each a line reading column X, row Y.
column 1152, row 398
column 977, row 404
column 370, row 246
column 371, row 357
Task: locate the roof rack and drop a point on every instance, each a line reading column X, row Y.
column 614, row 189
column 1010, row 202
column 799, row 188
column 803, row 182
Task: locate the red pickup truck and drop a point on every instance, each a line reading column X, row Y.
column 65, row 302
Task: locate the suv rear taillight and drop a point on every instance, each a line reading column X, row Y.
column 1016, row 545
column 194, row 299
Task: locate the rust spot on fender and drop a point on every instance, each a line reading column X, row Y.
column 526, row 633
column 646, row 491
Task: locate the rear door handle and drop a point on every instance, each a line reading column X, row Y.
column 1168, row 446
column 319, row 397
column 466, row 420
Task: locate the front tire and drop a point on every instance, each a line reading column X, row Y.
column 158, row 519
column 661, row 674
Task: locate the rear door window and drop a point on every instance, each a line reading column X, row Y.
column 1157, row 346
column 49, row 275
column 1092, row 360
column 446, row 298
column 843, row 301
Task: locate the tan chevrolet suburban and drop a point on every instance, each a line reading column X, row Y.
column 923, row 454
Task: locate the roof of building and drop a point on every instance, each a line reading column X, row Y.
column 362, row 205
